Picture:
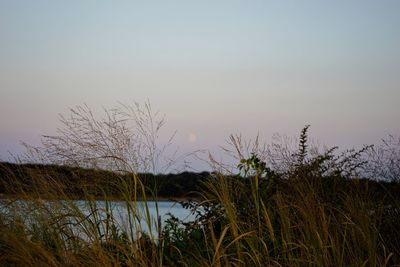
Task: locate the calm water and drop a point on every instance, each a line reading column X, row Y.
column 120, row 212
column 158, row 211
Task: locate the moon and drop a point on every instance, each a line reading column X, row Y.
column 192, row 137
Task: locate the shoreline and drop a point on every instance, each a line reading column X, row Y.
column 141, row 199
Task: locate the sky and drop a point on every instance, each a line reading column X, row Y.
column 212, row 67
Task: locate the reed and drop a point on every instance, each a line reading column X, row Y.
column 311, row 210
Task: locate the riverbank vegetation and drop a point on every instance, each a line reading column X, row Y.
column 282, row 207
column 315, row 213
column 77, row 183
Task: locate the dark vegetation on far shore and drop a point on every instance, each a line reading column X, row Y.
column 77, row 182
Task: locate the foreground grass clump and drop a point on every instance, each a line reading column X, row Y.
column 43, row 226
column 315, row 212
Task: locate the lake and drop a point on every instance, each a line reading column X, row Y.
column 99, row 210
column 159, row 209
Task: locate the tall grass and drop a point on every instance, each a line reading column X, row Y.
column 291, row 222
column 316, row 213
column 48, row 228
column 313, row 211
column 54, row 232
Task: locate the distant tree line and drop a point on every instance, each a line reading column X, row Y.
column 76, row 182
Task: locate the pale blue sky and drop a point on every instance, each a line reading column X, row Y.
column 213, row 67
